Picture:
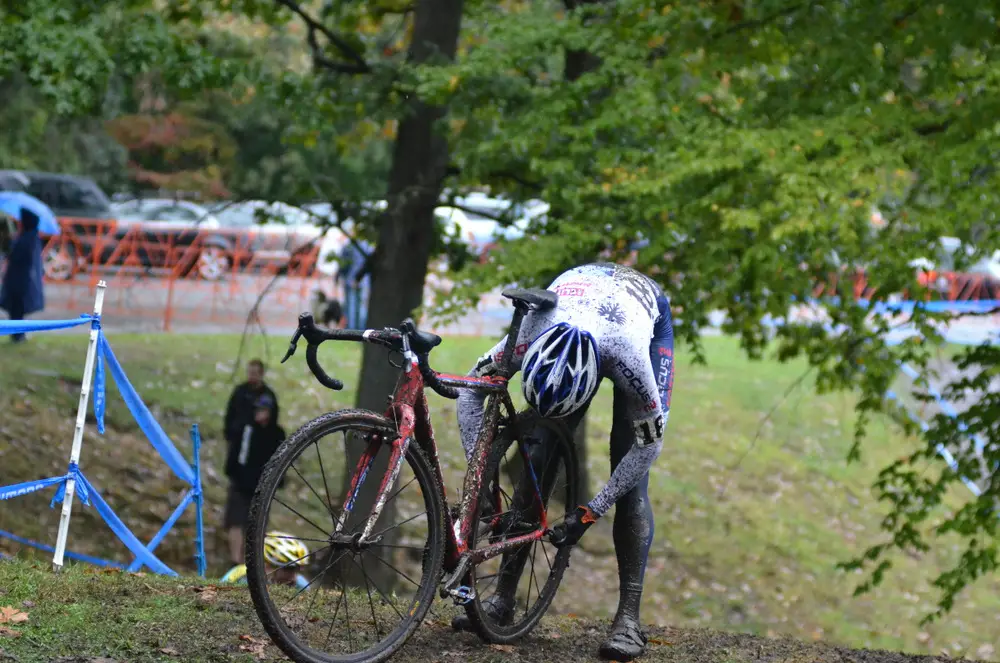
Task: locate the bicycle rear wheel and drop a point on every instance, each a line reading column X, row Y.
column 358, row 603
column 526, row 471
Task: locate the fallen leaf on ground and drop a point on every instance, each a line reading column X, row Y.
column 9, row 615
column 253, row 646
column 9, row 632
column 507, row 649
column 170, row 651
column 207, row 596
column 657, row 641
column 139, row 574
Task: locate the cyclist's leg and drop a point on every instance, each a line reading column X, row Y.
column 634, row 527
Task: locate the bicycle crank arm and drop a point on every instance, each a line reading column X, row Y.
column 452, row 586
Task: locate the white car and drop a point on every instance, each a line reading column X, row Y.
column 163, row 214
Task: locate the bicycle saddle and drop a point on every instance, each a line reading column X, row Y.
column 537, row 298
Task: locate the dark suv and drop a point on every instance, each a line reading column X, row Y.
column 67, row 196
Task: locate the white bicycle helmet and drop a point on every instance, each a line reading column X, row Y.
column 281, row 549
column 561, row 370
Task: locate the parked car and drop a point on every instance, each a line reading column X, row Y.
column 166, row 229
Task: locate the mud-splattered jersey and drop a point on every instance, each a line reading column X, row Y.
column 629, row 318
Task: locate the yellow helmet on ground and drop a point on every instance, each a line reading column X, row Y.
column 236, row 574
column 283, row 549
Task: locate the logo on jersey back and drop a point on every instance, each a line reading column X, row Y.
column 611, row 312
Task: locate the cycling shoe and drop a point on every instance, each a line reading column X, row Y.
column 625, row 642
column 495, row 607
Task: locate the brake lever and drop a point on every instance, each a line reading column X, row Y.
column 292, row 345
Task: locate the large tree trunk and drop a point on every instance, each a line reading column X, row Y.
column 420, row 161
column 578, row 63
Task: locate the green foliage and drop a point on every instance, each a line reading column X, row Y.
column 749, row 146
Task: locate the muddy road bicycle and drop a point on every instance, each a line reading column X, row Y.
column 376, row 559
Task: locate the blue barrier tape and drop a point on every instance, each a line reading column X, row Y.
column 8, row 327
column 97, row 561
column 149, row 426
column 199, row 498
column 940, row 448
column 164, row 530
column 946, row 407
column 124, row 534
column 156, row 435
column 18, row 489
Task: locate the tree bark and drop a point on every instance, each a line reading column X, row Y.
column 578, row 63
column 420, row 161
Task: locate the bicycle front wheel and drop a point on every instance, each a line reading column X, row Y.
column 532, row 465
column 343, row 600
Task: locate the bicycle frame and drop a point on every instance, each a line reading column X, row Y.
column 410, row 411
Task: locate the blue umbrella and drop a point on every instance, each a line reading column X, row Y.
column 12, row 202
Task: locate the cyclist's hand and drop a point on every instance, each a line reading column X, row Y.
column 568, row 532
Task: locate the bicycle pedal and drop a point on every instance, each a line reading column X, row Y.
column 462, row 595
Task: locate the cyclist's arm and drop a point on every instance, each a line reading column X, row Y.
column 470, row 402
column 648, row 385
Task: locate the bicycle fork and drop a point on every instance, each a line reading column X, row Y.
column 396, row 459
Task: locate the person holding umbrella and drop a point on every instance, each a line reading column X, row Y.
column 21, row 291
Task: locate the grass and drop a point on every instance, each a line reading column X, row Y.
column 753, row 512
column 89, row 615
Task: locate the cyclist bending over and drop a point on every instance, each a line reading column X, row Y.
column 610, row 322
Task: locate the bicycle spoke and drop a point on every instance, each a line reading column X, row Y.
column 333, row 620
column 312, row 601
column 527, row 598
column 309, row 584
column 527, row 601
column 329, row 508
column 392, row 604
column 376, row 556
column 295, row 562
column 300, row 515
column 547, row 560
column 326, row 486
column 389, row 529
column 368, row 590
column 347, row 616
column 297, row 538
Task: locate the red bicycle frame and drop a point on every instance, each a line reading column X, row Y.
column 409, row 409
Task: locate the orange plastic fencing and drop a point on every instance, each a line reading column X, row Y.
column 950, row 286
column 163, row 277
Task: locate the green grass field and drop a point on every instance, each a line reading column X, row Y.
column 753, row 512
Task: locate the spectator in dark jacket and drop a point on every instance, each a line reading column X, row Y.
column 239, row 411
column 21, row 292
column 248, row 454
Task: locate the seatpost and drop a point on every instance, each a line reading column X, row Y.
column 520, row 310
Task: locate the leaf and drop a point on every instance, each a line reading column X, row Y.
column 507, row 649
column 9, row 632
column 9, row 615
column 658, row 641
column 170, row 651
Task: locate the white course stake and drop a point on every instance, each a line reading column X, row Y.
column 81, row 418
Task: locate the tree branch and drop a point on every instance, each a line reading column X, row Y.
column 359, row 65
column 758, row 22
